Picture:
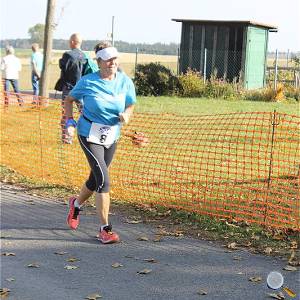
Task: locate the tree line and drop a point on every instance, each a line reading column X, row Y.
column 88, row 45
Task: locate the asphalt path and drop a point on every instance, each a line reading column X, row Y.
column 33, row 232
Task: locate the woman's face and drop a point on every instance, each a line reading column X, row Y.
column 108, row 67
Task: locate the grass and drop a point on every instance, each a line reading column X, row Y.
column 194, row 106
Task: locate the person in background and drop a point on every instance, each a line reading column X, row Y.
column 11, row 66
column 108, row 101
column 71, row 65
column 36, row 62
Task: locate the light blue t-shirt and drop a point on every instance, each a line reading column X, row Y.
column 103, row 100
column 37, row 59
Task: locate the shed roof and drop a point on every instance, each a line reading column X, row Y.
column 228, row 22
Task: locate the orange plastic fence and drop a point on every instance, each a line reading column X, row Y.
column 241, row 165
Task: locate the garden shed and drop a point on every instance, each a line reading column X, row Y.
column 233, row 50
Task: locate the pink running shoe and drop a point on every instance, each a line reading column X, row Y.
column 107, row 236
column 73, row 216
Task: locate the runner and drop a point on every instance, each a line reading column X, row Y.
column 108, row 101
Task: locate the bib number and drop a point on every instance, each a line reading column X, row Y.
column 102, row 134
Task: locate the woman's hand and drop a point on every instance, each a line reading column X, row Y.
column 124, row 117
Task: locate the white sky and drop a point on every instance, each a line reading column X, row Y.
column 149, row 21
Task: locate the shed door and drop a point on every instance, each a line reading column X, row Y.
column 255, row 57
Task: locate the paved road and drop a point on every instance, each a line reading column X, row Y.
column 34, row 229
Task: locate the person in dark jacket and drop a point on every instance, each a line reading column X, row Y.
column 71, row 66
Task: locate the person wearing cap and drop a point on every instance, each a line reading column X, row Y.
column 108, row 101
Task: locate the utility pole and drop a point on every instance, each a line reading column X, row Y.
column 112, row 30
column 49, row 28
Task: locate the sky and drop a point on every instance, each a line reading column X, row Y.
column 149, row 21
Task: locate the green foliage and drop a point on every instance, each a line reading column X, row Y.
column 191, row 84
column 219, row 88
column 36, row 33
column 264, row 94
column 154, row 79
column 291, row 92
column 296, row 60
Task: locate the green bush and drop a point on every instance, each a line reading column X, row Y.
column 154, row 79
column 291, row 92
column 191, row 84
column 219, row 88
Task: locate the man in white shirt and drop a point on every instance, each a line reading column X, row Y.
column 11, row 66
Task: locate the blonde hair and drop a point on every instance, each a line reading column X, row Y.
column 35, row 47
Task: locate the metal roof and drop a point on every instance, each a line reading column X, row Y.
column 228, row 22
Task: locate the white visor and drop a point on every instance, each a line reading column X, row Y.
column 107, row 53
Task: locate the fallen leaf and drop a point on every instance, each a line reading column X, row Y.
column 5, row 236
column 145, row 271
column 292, row 256
column 133, row 221
column 150, row 260
column 268, row 250
column 232, row 245
column 158, row 238
column 294, row 245
column 237, row 258
column 8, row 254
column 130, row 256
column 10, row 279
column 72, row 259
column 60, row 252
column 232, row 225
column 290, row 268
column 278, row 296
column 29, row 200
column 289, row 292
column 255, row 279
column 33, row 265
column 143, row 238
column 201, row 292
column 94, row 296
column 70, row 267
column 4, row 292
column 117, row 265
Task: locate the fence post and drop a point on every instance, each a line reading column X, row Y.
column 204, row 66
column 274, row 123
column 276, row 70
column 287, row 58
column 135, row 63
column 178, row 58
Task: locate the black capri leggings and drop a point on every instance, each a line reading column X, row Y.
column 99, row 158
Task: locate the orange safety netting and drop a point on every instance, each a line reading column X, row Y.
column 241, row 165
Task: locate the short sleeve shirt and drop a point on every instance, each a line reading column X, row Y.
column 37, row 59
column 103, row 100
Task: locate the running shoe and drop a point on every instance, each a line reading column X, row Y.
column 73, row 216
column 107, row 236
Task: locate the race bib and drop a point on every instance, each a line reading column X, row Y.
column 103, row 134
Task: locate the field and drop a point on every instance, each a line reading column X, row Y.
column 127, row 62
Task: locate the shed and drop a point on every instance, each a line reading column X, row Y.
column 233, row 50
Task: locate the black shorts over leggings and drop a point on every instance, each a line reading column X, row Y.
column 99, row 159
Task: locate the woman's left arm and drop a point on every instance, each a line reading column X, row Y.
column 125, row 116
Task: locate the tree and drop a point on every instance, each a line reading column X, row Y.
column 50, row 25
column 36, row 33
